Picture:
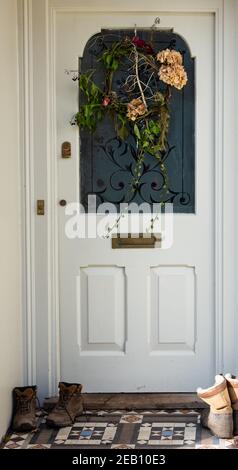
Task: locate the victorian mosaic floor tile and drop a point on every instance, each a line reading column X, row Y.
column 121, row 429
column 16, row 441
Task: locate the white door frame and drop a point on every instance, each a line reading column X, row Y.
column 39, row 157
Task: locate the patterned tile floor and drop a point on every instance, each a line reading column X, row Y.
column 123, row 430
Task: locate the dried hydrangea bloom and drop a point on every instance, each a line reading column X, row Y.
column 135, row 109
column 170, row 57
column 173, row 75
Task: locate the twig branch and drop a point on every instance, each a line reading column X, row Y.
column 138, row 78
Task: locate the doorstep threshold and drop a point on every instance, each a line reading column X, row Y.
column 136, row 401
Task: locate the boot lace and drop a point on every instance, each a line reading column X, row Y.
column 23, row 405
column 63, row 402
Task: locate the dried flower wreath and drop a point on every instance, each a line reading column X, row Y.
column 144, row 109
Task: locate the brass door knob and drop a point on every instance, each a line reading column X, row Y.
column 63, row 202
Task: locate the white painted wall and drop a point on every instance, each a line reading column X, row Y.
column 234, row 92
column 10, row 273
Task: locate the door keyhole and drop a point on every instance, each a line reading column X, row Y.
column 63, row 202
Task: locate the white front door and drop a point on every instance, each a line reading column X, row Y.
column 137, row 320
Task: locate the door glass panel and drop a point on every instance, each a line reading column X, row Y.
column 107, row 163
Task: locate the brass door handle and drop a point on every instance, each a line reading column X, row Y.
column 63, row 202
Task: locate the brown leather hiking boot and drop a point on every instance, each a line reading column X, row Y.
column 69, row 406
column 24, row 408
